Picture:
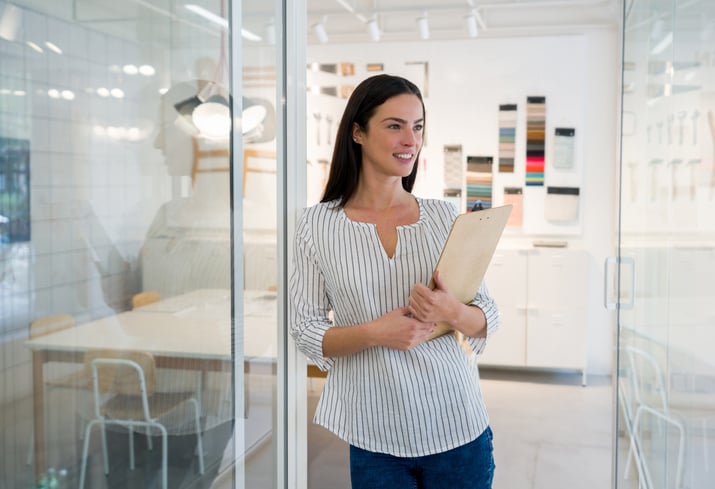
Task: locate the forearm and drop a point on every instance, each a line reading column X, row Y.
column 340, row 341
column 469, row 320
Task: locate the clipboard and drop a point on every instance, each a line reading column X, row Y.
column 467, row 253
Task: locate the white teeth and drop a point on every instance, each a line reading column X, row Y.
column 404, row 155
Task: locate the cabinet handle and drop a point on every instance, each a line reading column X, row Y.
column 613, row 262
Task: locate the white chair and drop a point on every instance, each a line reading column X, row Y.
column 645, row 394
column 124, row 388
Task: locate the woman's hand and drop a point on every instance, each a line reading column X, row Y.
column 437, row 305
column 398, row 330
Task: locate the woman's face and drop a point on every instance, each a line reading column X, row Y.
column 393, row 137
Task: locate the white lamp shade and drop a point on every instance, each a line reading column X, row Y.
column 472, row 28
column 374, row 30
column 213, row 118
column 252, row 118
column 423, row 27
column 320, row 32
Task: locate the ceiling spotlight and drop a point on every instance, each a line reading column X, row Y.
column 423, row 27
column 374, row 30
column 269, row 31
column 472, row 28
column 320, row 32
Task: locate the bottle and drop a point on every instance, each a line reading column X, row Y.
column 52, row 481
column 41, row 481
column 63, row 483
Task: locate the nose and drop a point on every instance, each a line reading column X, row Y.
column 410, row 138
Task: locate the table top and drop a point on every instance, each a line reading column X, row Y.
column 192, row 325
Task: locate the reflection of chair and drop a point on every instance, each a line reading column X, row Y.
column 144, row 298
column 76, row 380
column 643, row 395
column 124, row 387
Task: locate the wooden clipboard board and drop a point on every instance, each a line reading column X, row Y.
column 467, row 253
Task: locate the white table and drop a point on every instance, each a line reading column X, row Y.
column 191, row 331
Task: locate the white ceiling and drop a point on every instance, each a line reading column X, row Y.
column 345, row 20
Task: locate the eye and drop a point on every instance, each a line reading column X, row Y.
column 393, row 126
column 419, row 127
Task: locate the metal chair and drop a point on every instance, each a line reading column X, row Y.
column 646, row 395
column 124, row 387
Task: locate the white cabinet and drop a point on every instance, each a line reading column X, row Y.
column 542, row 294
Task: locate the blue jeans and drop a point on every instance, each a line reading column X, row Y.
column 470, row 466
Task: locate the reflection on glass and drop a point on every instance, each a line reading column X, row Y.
column 666, row 382
column 116, row 251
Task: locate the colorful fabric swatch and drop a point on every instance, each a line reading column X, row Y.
column 514, row 196
column 479, row 164
column 535, row 140
column 479, row 191
column 479, row 182
column 507, row 137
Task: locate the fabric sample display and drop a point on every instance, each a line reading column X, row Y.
column 564, row 147
column 453, row 167
column 514, row 196
column 507, row 137
column 479, row 164
column 479, row 190
column 535, row 140
column 561, row 204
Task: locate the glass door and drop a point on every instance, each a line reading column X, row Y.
column 666, row 325
column 141, row 231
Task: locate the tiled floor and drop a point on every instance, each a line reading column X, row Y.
column 550, row 433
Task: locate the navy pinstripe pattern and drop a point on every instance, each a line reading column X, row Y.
column 414, row 403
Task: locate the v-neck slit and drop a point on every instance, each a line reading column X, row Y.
column 398, row 229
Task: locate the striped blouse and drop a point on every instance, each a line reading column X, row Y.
column 405, row 403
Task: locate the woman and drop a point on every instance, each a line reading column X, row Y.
column 411, row 409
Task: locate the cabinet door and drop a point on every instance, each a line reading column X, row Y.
column 556, row 338
column 557, row 278
column 557, row 309
column 506, row 281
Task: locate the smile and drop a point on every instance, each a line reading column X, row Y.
column 404, row 156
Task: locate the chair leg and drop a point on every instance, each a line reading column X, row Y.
column 31, row 447
column 149, row 442
column 85, row 450
column 164, row 457
column 199, row 442
column 131, row 448
column 105, row 452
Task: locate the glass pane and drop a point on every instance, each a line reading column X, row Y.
column 666, row 384
column 121, row 257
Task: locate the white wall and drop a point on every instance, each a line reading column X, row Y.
column 468, row 79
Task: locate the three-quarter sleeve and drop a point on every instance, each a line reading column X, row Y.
column 486, row 303
column 309, row 301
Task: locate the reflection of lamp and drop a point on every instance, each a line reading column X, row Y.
column 252, row 116
column 320, row 32
column 212, row 117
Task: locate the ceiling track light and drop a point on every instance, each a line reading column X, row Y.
column 320, row 32
column 374, row 30
column 471, row 22
column 423, row 27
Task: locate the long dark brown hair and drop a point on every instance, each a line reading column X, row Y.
column 346, row 164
